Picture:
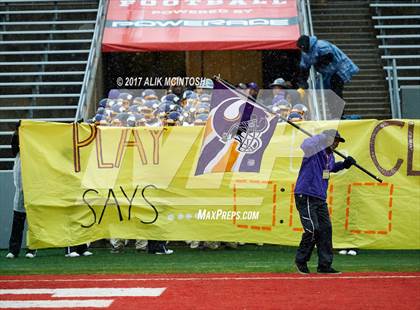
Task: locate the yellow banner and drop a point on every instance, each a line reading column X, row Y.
column 83, row 183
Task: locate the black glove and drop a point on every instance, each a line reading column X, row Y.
column 325, row 60
column 348, row 162
column 302, row 78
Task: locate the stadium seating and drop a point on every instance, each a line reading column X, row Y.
column 348, row 24
column 44, row 50
column 398, row 25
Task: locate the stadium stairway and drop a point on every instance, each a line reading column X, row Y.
column 348, row 24
column 44, row 48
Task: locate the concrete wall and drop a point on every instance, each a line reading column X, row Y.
column 410, row 98
column 7, row 192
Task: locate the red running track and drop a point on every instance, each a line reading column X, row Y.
column 228, row 291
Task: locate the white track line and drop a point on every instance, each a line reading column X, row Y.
column 23, row 304
column 299, row 278
column 89, row 292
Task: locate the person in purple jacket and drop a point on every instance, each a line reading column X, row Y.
column 311, row 196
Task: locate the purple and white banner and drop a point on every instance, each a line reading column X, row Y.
column 236, row 134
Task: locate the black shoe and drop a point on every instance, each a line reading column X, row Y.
column 302, row 268
column 160, row 250
column 328, row 270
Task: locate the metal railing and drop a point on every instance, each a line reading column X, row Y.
column 315, row 78
column 392, row 67
column 393, row 78
column 92, row 62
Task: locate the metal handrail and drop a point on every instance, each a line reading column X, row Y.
column 394, row 5
column 307, row 29
column 397, row 101
column 392, row 67
column 92, row 63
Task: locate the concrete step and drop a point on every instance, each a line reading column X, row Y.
column 40, row 101
column 47, row 89
column 378, row 76
column 372, row 57
column 46, row 36
column 65, row 76
column 349, row 35
column 372, row 113
column 360, row 48
column 325, row 16
column 362, row 109
column 367, row 66
column 325, row 29
column 377, row 116
column 49, row 5
column 340, row 5
column 355, row 50
column 44, row 44
column 46, row 17
column 48, row 119
column 22, row 57
column 374, row 105
column 356, row 93
column 340, row 40
column 367, row 97
column 315, row 10
column 343, row 23
column 355, row 88
column 39, row 114
column 375, row 70
column 55, row 67
column 364, row 61
column 369, row 70
column 48, row 25
column 361, row 81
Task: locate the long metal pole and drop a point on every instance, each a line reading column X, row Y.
column 395, row 88
column 232, row 88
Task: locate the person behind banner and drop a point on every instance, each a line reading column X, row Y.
column 252, row 90
column 78, row 250
column 310, row 197
column 334, row 65
column 279, row 88
column 19, row 212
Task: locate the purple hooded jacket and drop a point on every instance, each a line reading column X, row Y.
column 315, row 161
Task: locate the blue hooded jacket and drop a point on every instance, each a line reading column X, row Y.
column 341, row 64
column 315, row 161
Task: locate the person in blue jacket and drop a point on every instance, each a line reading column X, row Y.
column 311, row 195
column 335, row 66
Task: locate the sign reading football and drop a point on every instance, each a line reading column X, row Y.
column 146, row 25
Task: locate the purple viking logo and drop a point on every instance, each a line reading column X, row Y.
column 247, row 132
column 236, row 135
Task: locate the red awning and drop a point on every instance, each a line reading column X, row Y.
column 187, row 25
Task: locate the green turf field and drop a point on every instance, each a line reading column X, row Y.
column 248, row 258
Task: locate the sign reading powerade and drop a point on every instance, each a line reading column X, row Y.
column 83, row 183
column 186, row 25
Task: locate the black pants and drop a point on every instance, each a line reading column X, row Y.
column 337, row 85
column 154, row 246
column 16, row 236
column 336, row 105
column 79, row 249
column 317, row 230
